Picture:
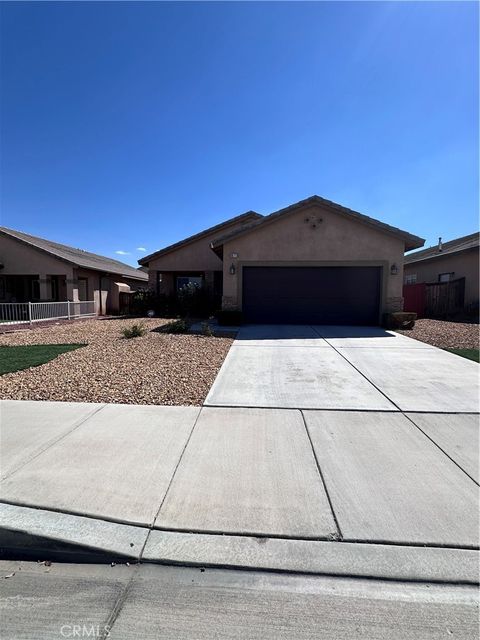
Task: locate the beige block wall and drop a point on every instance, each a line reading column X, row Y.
column 335, row 240
column 463, row 265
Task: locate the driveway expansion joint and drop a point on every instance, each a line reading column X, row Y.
column 406, row 414
column 339, row 531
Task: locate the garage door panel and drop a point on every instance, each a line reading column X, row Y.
column 330, row 295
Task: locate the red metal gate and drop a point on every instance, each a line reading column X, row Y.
column 414, row 298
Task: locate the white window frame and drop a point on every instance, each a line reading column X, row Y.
column 449, row 277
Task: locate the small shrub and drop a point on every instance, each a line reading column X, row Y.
column 135, row 331
column 207, row 329
column 178, row 326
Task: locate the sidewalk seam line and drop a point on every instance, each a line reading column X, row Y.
column 53, row 442
column 325, row 488
column 151, row 526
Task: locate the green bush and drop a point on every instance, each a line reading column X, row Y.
column 229, row 318
column 178, row 326
column 141, row 302
column 135, row 331
column 193, row 300
column 207, row 329
column 190, row 300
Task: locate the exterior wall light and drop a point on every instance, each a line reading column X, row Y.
column 394, row 269
column 232, row 269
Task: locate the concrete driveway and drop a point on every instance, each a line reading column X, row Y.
column 345, row 368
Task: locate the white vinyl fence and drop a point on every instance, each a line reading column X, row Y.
column 29, row 312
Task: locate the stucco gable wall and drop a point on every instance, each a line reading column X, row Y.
column 196, row 256
column 292, row 238
column 21, row 259
column 335, row 239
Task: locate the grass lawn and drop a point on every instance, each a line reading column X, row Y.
column 471, row 354
column 23, row 357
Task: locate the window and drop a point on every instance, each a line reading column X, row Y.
column 446, row 277
column 35, row 290
column 183, row 281
column 411, row 278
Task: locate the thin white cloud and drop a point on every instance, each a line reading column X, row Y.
column 141, row 249
column 123, row 253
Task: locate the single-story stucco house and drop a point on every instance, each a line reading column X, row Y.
column 312, row 262
column 445, row 262
column 34, row 269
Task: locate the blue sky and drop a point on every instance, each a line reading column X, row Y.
column 132, row 125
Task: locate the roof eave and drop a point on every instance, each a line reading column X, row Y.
column 411, row 241
column 441, row 254
column 198, row 236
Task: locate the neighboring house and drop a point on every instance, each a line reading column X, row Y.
column 445, row 262
column 33, row 269
column 312, row 262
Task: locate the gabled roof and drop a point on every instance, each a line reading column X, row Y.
column 452, row 246
column 244, row 217
column 77, row 257
column 411, row 241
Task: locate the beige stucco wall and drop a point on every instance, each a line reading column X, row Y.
column 194, row 257
column 335, row 240
column 20, row 259
column 463, row 265
column 105, row 292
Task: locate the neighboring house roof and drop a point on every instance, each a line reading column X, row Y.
column 448, row 248
column 244, row 217
column 77, row 257
column 411, row 241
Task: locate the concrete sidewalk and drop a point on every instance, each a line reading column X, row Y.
column 377, row 494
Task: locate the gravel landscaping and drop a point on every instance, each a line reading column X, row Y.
column 153, row 369
column 443, row 334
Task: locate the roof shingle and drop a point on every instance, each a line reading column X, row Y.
column 452, row 246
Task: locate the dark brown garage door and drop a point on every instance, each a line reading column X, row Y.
column 320, row 295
